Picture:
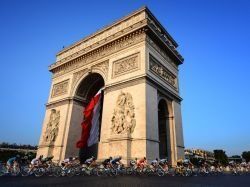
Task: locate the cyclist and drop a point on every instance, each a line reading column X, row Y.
column 116, row 162
column 12, row 161
column 142, row 162
column 164, row 164
column 35, row 162
column 106, row 163
column 133, row 162
column 90, row 161
column 66, row 162
column 154, row 163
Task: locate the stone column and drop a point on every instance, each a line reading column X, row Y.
column 123, row 108
column 152, row 132
column 54, row 147
column 178, row 130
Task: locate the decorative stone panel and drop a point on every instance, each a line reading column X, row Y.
column 162, row 72
column 100, row 53
column 77, row 76
column 103, row 66
column 126, row 65
column 123, row 120
column 52, row 127
column 60, row 88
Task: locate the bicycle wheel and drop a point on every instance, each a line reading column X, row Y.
column 39, row 172
column 129, row 171
column 57, row 172
column 70, row 172
column 15, row 171
column 160, row 172
column 78, row 170
column 25, row 171
column 100, row 172
column 94, row 171
column 3, row 170
column 113, row 172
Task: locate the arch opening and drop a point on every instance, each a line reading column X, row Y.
column 163, row 125
column 86, row 90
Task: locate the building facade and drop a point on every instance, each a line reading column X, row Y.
column 136, row 61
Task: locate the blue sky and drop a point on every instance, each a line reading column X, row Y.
column 213, row 37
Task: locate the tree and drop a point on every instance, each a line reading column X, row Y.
column 221, row 156
column 246, row 155
column 236, row 156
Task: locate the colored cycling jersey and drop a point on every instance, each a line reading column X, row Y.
column 132, row 162
column 163, row 161
column 67, row 160
column 154, row 162
column 141, row 161
column 115, row 160
column 106, row 161
column 34, row 161
column 11, row 160
column 89, row 161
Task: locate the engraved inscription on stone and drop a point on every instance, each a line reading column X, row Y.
column 125, row 65
column 162, row 72
column 60, row 88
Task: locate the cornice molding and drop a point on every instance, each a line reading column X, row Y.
column 133, row 17
column 104, row 40
column 138, row 19
column 104, row 51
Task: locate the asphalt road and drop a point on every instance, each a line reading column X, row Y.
column 124, row 181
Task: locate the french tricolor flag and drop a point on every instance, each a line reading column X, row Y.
column 90, row 124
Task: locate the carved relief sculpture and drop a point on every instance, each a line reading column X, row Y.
column 162, row 72
column 60, row 88
column 103, row 66
column 100, row 53
column 52, row 127
column 123, row 120
column 77, row 76
column 125, row 65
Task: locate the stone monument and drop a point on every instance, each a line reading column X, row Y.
column 136, row 61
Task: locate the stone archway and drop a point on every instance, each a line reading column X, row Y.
column 163, row 126
column 86, row 90
column 138, row 62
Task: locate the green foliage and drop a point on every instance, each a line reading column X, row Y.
column 246, row 156
column 10, row 150
column 6, row 154
column 16, row 146
column 195, row 161
column 221, row 157
column 236, row 156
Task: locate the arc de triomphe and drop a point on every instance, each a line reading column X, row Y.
column 136, row 61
